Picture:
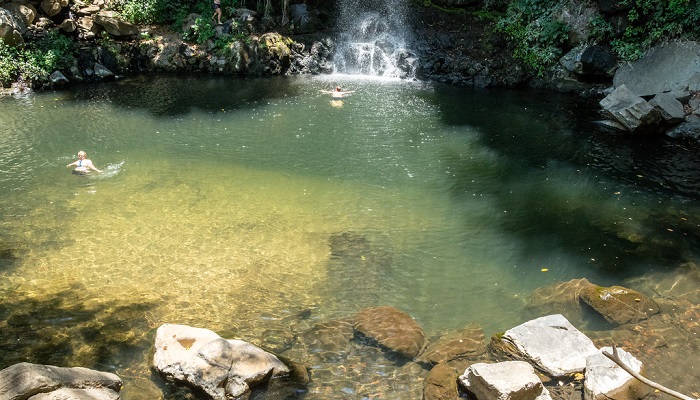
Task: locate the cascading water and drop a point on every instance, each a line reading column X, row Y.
column 373, row 39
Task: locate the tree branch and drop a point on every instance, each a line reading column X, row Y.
column 616, row 359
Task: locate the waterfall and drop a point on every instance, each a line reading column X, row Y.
column 373, row 39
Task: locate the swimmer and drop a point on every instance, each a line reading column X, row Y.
column 338, row 93
column 83, row 165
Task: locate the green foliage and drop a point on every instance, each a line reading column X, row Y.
column 203, row 30
column 137, row 11
column 37, row 60
column 652, row 21
column 538, row 36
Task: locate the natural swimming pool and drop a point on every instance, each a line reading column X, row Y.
column 259, row 207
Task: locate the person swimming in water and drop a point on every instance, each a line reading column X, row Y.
column 338, row 93
column 83, row 165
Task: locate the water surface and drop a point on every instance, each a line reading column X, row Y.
column 258, row 208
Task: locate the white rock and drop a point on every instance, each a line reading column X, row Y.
column 510, row 380
column 606, row 380
column 553, row 344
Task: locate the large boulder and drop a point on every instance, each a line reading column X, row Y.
column 392, row 329
column 618, row 304
column 115, row 26
column 550, row 342
column 670, row 108
column 10, row 30
column 630, row 110
column 23, row 13
column 221, row 368
column 665, row 68
column 510, row 380
column 26, row 380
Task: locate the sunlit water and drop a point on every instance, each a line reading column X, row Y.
column 258, row 208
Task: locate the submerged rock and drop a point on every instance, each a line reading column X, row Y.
column 467, row 343
column 392, row 329
column 619, row 305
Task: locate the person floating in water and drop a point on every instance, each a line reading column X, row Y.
column 217, row 11
column 338, row 93
column 83, row 165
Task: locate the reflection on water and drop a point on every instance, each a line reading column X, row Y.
column 258, row 210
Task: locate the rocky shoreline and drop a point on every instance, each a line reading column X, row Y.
column 544, row 358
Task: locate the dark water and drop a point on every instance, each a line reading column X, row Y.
column 259, row 208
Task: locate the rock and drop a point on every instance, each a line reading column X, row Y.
column 115, row 26
column 57, row 78
column 550, row 342
column 562, row 295
column 52, row 7
column 467, row 343
column 630, row 110
column 689, row 129
column 23, row 13
column 102, row 72
column 509, row 380
column 665, row 68
column 68, row 25
column 391, row 328
column 10, row 31
column 619, row 305
column 35, row 381
column 606, row 380
column 441, row 383
column 598, row 61
column 221, row 368
column 671, row 109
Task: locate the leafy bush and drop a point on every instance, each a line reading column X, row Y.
column 652, row 21
column 37, row 60
column 538, row 36
column 137, row 11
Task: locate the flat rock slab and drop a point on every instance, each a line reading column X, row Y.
column 468, row 343
column 606, row 380
column 26, row 380
column 510, row 380
column 391, row 328
column 552, row 343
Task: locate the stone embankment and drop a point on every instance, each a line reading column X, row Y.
column 544, row 358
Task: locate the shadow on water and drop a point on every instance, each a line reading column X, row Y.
column 613, row 201
column 63, row 330
column 171, row 96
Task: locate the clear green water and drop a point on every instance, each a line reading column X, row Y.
column 257, row 208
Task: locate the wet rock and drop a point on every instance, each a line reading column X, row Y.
column 688, row 129
column 509, row 380
column 550, row 342
column 441, row 383
column 606, row 380
column 392, row 329
column 630, row 110
column 671, row 109
column 467, row 343
column 221, row 368
column 25, row 380
column 330, row 338
column 618, row 304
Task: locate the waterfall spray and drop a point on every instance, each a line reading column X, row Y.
column 373, row 39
